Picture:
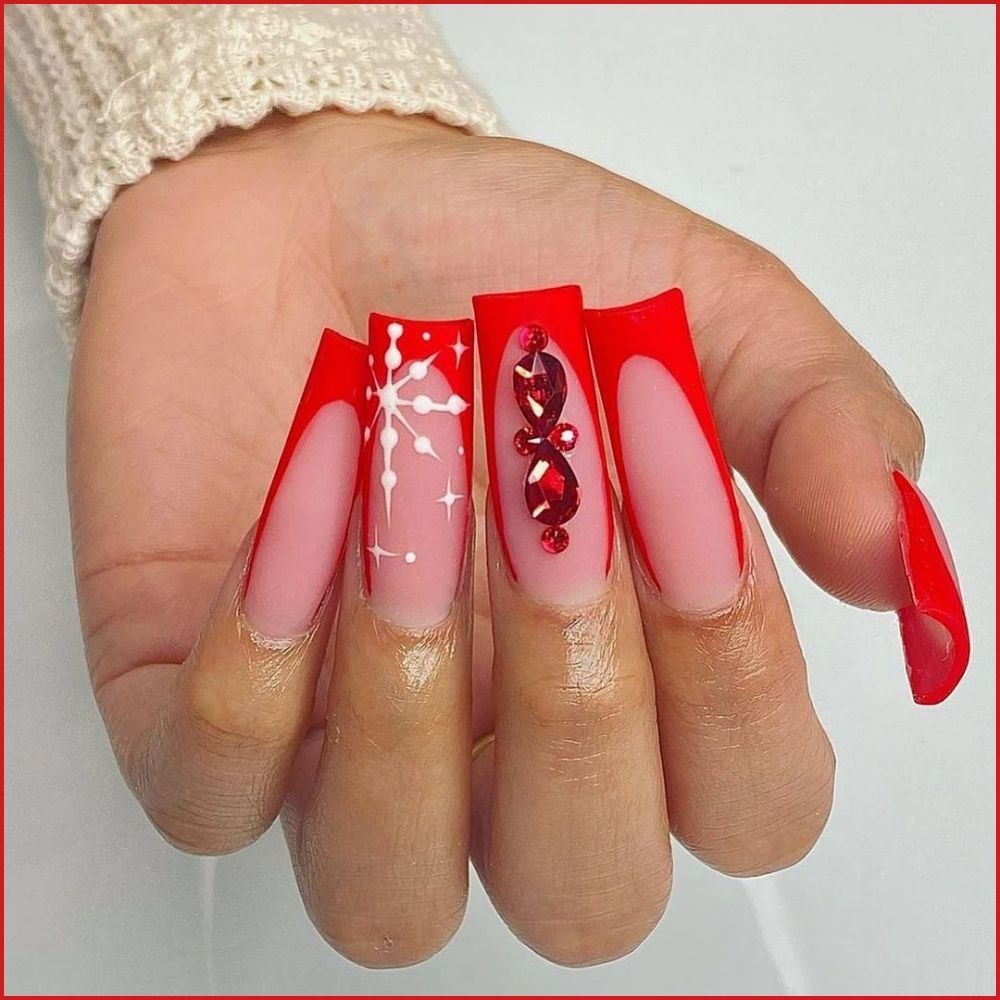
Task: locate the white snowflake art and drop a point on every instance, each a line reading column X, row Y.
column 391, row 404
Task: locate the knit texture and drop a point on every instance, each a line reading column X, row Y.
column 104, row 90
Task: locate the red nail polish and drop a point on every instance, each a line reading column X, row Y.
column 676, row 484
column 548, row 476
column 302, row 528
column 417, row 466
column 934, row 628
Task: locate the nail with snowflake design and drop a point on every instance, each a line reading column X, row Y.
column 417, row 466
column 548, row 477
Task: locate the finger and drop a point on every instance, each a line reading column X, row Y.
column 748, row 767
column 574, row 849
column 207, row 745
column 817, row 428
column 379, row 828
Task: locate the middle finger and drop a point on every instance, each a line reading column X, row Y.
column 574, row 848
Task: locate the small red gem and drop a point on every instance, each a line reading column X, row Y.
column 532, row 337
column 564, row 437
column 522, row 442
column 555, row 540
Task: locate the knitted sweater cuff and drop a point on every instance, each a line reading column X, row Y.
column 104, row 90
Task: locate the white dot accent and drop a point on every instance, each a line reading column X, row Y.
column 422, row 404
column 418, row 370
column 410, row 557
column 425, row 336
column 368, row 392
column 422, row 445
column 456, row 405
column 393, row 359
column 461, row 449
column 368, row 433
column 389, row 437
column 395, row 329
column 388, row 479
column 371, row 359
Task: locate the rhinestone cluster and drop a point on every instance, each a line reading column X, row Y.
column 551, row 490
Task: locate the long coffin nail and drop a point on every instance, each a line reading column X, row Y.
column 301, row 531
column 417, row 466
column 934, row 629
column 548, row 477
column 676, row 484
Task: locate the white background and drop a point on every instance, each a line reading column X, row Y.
column 858, row 144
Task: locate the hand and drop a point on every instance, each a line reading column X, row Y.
column 211, row 280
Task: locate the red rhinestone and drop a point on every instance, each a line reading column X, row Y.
column 564, row 437
column 522, row 442
column 555, row 540
column 551, row 490
column 539, row 384
column 532, row 337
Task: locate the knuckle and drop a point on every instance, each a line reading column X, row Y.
column 760, row 270
column 390, row 938
column 577, row 942
column 600, row 703
column 381, row 908
column 395, row 726
column 585, row 915
column 201, row 801
column 230, row 716
column 775, row 830
column 192, row 833
column 387, row 946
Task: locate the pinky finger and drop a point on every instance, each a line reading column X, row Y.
column 207, row 745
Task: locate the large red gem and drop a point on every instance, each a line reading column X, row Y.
column 551, row 490
column 540, row 390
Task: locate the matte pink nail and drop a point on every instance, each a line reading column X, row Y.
column 301, row 532
column 417, row 466
column 678, row 491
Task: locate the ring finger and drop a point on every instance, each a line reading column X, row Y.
column 749, row 769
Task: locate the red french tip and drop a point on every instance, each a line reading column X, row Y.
column 337, row 374
column 302, row 528
column 934, row 629
column 548, row 474
column 655, row 328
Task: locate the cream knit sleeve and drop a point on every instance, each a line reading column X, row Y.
column 104, row 90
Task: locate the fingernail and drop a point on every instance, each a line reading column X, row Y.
column 301, row 531
column 676, row 484
column 417, row 467
column 548, row 477
column 934, row 629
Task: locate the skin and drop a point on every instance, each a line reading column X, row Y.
column 210, row 281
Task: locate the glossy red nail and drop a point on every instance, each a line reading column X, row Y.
column 548, row 476
column 302, row 528
column 676, row 484
column 934, row 629
column 417, row 466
